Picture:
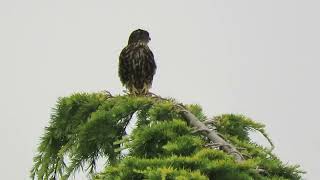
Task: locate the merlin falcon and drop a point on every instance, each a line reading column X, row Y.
column 136, row 64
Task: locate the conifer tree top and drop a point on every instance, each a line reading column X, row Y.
column 85, row 127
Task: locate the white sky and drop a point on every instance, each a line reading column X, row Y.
column 258, row 58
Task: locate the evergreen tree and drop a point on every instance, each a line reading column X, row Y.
column 170, row 141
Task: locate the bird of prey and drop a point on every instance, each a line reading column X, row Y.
column 136, row 64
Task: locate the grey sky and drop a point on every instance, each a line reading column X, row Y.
column 258, row 58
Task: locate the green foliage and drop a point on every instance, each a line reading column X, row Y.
column 237, row 125
column 196, row 110
column 183, row 145
column 69, row 114
column 149, row 140
column 159, row 111
column 171, row 173
column 205, row 164
column 85, row 127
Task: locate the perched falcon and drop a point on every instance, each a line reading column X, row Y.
column 136, row 64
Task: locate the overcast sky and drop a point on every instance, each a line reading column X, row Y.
column 257, row 58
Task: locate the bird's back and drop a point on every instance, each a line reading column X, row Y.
column 137, row 68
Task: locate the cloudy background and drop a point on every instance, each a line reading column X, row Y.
column 258, row 58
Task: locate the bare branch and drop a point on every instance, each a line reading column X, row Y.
column 211, row 134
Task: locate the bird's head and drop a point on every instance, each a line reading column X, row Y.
column 139, row 35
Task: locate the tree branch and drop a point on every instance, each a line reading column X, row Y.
column 211, row 134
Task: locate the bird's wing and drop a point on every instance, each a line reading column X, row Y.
column 124, row 61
